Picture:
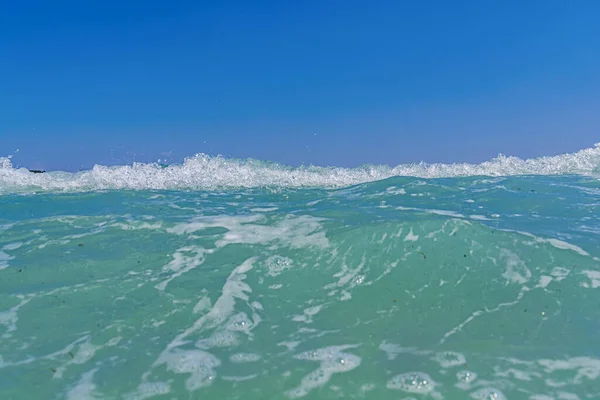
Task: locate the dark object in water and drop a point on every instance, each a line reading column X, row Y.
column 37, row 171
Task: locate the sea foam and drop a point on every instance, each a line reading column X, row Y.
column 207, row 173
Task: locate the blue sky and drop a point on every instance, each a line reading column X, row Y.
column 322, row 82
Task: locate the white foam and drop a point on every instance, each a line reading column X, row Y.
column 559, row 244
column 200, row 364
column 411, row 237
column 367, row 387
column 414, row 382
column 183, row 262
column 239, row 378
column 488, row 394
column 514, row 373
column 516, row 270
column 136, row 225
column 393, row 350
column 308, row 314
column 84, row 353
column 594, row 277
column 52, row 356
column 278, row 264
column 240, row 323
column 567, row 396
column 449, row 359
column 5, row 227
column 465, row 379
column 4, row 259
column 396, row 191
column 559, row 273
column 219, row 221
column 289, row 345
column 348, row 276
column 445, row 213
column 333, row 360
column 345, row 296
column 10, row 317
column 146, row 390
column 239, row 358
column 540, row 397
column 545, row 280
column 586, row 368
column 296, row 231
column 205, row 172
column 222, row 338
column 264, row 209
column 202, row 305
column 12, row 246
column 84, row 389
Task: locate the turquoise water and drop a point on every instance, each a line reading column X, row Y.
column 123, row 284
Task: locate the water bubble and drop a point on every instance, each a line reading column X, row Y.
column 466, row 376
column 240, row 322
column 488, row 394
column 278, row 264
column 412, row 382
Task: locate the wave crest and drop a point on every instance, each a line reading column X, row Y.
column 203, row 172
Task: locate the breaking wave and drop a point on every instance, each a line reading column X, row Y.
column 203, row 172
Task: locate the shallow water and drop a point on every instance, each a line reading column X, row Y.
column 452, row 288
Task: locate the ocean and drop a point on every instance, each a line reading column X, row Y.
column 232, row 279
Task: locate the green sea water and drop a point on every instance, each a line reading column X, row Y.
column 402, row 288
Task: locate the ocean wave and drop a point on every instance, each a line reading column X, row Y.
column 203, row 172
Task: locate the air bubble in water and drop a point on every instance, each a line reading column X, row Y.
column 412, row 382
column 488, row 394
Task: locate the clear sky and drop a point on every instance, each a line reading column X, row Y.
column 323, row 82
